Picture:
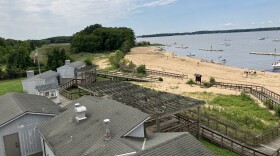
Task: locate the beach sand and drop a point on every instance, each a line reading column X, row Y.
column 165, row 61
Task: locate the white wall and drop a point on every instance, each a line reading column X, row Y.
column 66, row 71
column 46, row 149
column 29, row 85
column 138, row 132
column 29, row 138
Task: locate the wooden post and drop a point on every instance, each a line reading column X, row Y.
column 158, row 124
column 198, row 122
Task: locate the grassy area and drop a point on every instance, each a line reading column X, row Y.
column 237, row 110
column 77, row 57
column 219, row 151
column 10, row 86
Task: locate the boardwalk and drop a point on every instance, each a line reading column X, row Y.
column 125, row 76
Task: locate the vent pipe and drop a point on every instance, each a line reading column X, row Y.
column 67, row 62
column 107, row 130
column 29, row 73
column 80, row 112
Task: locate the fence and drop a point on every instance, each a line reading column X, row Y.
column 166, row 74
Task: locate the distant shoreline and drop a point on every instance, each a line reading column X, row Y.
column 211, row 32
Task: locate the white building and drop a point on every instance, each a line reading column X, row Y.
column 20, row 115
column 46, row 84
column 70, row 70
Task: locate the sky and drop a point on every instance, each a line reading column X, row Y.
column 38, row 19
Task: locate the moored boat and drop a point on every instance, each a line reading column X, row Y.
column 276, row 65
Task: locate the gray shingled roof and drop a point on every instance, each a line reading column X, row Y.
column 47, row 87
column 176, row 144
column 15, row 104
column 76, row 64
column 45, row 75
column 88, row 136
column 66, row 137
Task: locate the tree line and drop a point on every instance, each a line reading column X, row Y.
column 96, row 38
column 211, row 32
column 16, row 56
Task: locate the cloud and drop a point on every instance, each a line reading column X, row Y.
column 159, row 3
column 24, row 19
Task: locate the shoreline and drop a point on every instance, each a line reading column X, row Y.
column 167, row 61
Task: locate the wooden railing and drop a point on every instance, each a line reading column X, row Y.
column 166, row 74
column 70, row 84
column 126, row 76
column 263, row 94
column 223, row 140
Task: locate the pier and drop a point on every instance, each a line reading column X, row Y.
column 211, row 50
column 262, row 53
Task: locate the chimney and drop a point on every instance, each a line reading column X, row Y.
column 29, row 73
column 67, row 62
column 107, row 130
column 80, row 112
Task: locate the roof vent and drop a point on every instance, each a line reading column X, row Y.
column 29, row 73
column 67, row 62
column 107, row 130
column 81, row 112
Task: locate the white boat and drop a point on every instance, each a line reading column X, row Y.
column 276, row 65
column 262, row 38
column 191, row 54
column 276, row 40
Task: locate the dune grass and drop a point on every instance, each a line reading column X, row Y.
column 219, row 151
column 237, row 110
column 10, row 86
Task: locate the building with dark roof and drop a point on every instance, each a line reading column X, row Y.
column 45, row 84
column 95, row 126
column 20, row 115
column 70, row 70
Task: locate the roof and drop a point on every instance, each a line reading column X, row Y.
column 45, row 75
column 47, row 87
column 177, row 144
column 67, row 137
column 76, row 64
column 15, row 104
column 153, row 102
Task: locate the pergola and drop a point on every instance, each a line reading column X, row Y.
column 88, row 73
column 156, row 103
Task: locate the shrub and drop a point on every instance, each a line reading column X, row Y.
column 268, row 104
column 278, row 111
column 190, row 82
column 87, row 61
column 206, row 84
column 116, row 58
column 212, row 81
column 141, row 69
column 160, row 79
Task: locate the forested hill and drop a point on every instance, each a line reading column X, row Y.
column 211, row 32
column 96, row 38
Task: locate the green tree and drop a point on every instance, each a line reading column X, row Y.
column 56, row 58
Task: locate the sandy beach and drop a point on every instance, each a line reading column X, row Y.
column 165, row 61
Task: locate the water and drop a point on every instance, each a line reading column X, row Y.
column 237, row 54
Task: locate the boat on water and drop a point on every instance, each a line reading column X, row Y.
column 262, row 38
column 191, row 54
column 276, row 65
column 225, row 44
column 276, row 40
